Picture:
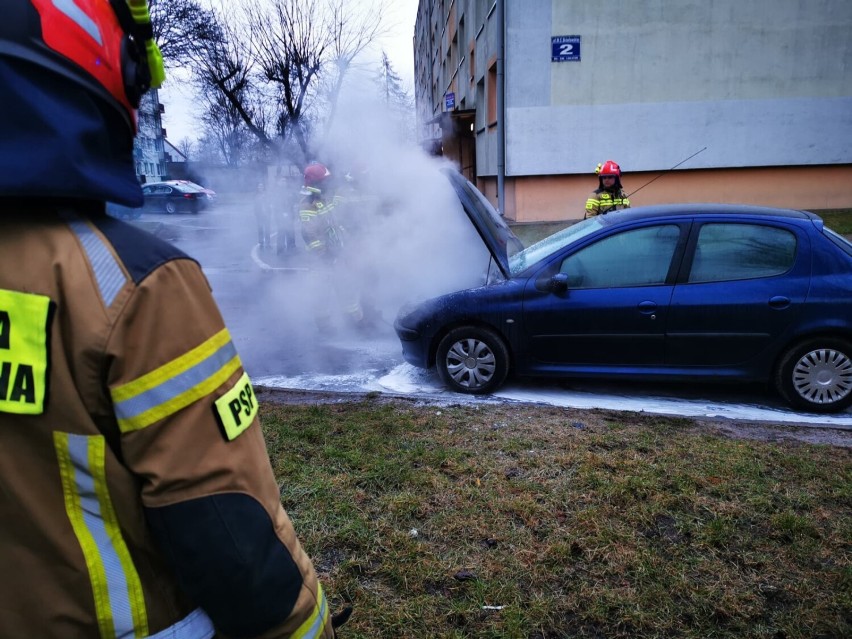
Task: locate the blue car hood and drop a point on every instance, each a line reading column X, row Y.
column 492, row 228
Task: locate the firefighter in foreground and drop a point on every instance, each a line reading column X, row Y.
column 609, row 196
column 137, row 496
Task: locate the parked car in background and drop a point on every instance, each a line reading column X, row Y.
column 210, row 193
column 700, row 292
column 174, row 197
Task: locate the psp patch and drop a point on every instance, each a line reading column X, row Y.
column 24, row 352
column 237, row 408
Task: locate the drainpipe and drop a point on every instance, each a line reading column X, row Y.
column 501, row 110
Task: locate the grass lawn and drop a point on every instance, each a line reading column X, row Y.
column 538, row 522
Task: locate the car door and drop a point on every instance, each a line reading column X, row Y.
column 614, row 306
column 150, row 201
column 743, row 285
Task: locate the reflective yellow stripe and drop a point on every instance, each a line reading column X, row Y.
column 175, row 385
column 116, row 587
column 314, row 625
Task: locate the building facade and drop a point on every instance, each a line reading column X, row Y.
column 149, row 145
column 528, row 96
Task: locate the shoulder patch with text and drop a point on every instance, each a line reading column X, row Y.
column 237, row 408
column 24, row 352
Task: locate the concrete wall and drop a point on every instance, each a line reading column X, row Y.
column 763, row 86
column 760, row 83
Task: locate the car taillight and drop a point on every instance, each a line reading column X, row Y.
column 189, row 196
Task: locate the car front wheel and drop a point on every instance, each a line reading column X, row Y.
column 472, row 360
column 816, row 375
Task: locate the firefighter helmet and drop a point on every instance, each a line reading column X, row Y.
column 316, row 173
column 609, row 168
column 71, row 77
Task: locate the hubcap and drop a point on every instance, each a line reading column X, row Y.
column 823, row 376
column 471, row 363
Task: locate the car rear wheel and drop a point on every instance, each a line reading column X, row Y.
column 171, row 209
column 816, row 375
column 472, row 360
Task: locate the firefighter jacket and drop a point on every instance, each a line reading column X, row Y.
column 137, row 495
column 321, row 231
column 604, row 201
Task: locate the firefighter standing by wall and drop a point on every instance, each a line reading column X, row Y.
column 609, row 196
column 138, row 499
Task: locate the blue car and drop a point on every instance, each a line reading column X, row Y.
column 702, row 292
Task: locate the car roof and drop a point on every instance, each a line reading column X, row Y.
column 698, row 209
column 172, row 184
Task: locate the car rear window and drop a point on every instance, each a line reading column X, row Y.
column 842, row 243
column 741, row 251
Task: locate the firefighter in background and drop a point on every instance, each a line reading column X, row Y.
column 326, row 241
column 263, row 215
column 138, row 498
column 285, row 204
column 609, row 196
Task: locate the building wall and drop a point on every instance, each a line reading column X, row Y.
column 763, row 89
column 550, row 198
column 761, row 83
column 148, row 147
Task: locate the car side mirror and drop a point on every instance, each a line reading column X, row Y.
column 559, row 283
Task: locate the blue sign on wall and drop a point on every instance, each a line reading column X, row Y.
column 564, row 48
column 449, row 101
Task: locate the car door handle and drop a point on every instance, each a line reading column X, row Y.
column 647, row 307
column 779, row 301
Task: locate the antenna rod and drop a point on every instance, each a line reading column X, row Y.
column 667, row 170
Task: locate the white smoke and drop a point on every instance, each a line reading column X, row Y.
column 407, row 239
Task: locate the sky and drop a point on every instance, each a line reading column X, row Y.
column 177, row 95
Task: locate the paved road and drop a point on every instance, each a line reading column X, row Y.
column 269, row 303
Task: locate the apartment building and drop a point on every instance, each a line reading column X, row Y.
column 148, row 147
column 528, row 96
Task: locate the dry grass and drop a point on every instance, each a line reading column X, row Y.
column 532, row 522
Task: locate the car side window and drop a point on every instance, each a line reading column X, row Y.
column 638, row 257
column 741, row 251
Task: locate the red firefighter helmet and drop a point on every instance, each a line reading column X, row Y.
column 316, row 173
column 96, row 44
column 71, row 77
column 609, row 168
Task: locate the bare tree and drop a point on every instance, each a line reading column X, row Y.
column 180, row 27
column 397, row 99
column 350, row 36
column 223, row 69
column 185, row 147
column 276, row 69
column 295, row 42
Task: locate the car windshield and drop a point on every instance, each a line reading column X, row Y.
column 548, row 246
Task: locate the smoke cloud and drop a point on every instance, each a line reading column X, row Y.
column 406, row 238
